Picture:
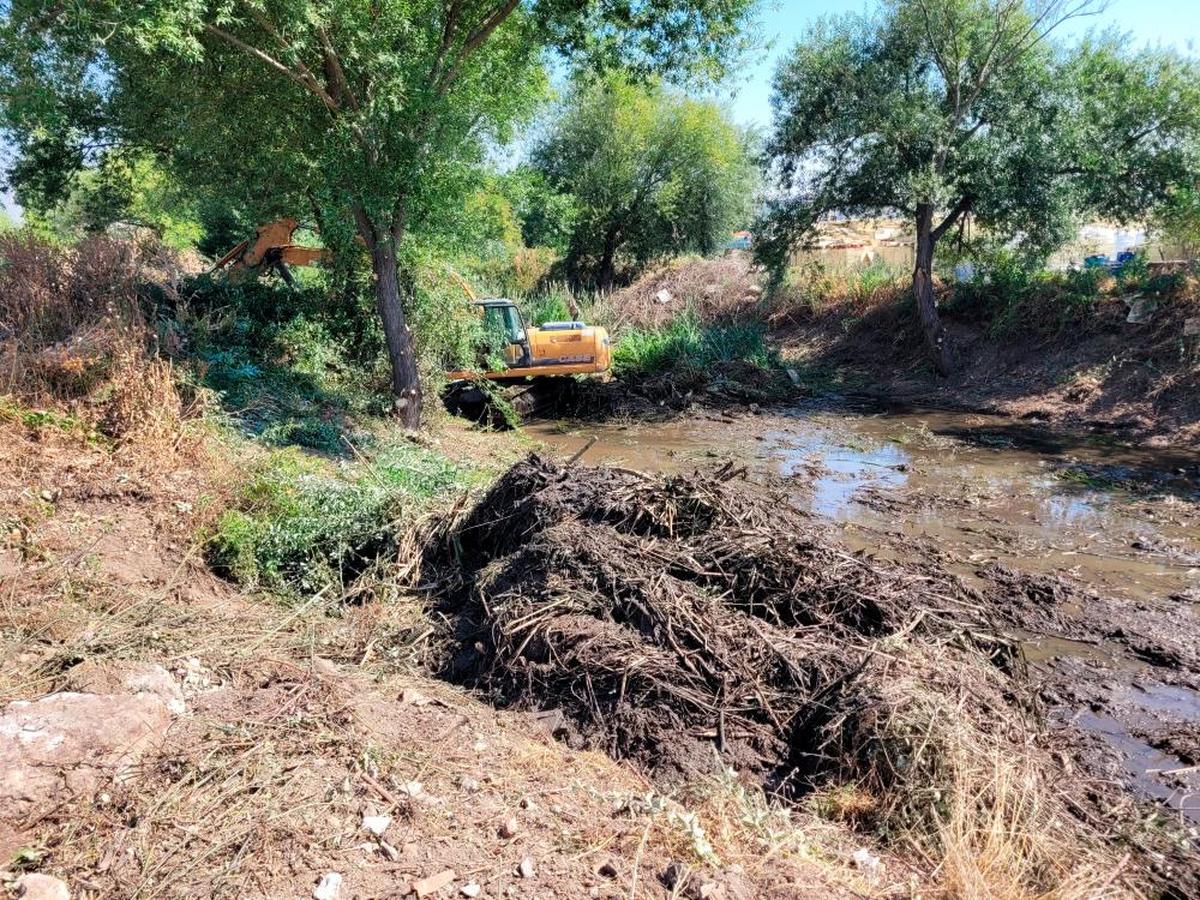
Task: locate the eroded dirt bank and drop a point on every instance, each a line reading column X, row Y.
column 1079, row 364
column 164, row 735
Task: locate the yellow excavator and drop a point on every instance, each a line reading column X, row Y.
column 271, row 248
column 530, row 354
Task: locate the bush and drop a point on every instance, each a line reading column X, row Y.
column 685, row 344
column 300, row 527
column 549, row 307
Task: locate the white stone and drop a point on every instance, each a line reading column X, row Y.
column 376, row 825
column 329, row 887
column 35, row 886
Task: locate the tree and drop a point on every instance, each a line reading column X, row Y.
column 944, row 109
column 371, row 113
column 651, row 172
column 1177, row 222
column 123, row 189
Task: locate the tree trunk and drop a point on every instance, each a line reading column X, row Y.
column 936, row 339
column 607, row 273
column 406, row 381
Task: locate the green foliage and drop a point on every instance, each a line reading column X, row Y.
column 287, row 365
column 551, row 306
column 962, row 106
column 123, row 189
column 547, row 216
column 688, row 345
column 299, row 527
column 651, row 171
column 1016, row 297
column 372, row 116
column 1177, row 221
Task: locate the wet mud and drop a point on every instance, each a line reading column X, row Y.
column 1088, row 550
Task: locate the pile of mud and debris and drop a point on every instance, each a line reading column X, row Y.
column 693, row 625
column 686, row 621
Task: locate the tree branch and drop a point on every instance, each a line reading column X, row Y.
column 962, row 206
column 306, row 82
column 474, row 42
column 335, row 74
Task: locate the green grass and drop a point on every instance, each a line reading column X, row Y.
column 302, row 524
column 686, row 344
column 38, row 419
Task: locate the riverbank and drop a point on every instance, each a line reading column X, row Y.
column 307, row 736
column 1058, row 350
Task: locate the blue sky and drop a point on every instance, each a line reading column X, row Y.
column 1173, row 23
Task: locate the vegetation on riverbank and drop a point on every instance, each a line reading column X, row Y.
column 243, row 490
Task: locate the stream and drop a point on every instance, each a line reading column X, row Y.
column 1122, row 670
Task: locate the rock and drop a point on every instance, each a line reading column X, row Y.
column 35, row 886
column 754, row 290
column 413, row 697
column 865, row 860
column 329, row 887
column 195, row 678
column 1141, row 309
column 470, row 889
column 325, row 669
column 376, row 825
column 794, row 377
column 124, row 676
column 433, row 883
column 413, row 788
column 510, row 827
column 66, row 744
column 526, row 869
column 663, row 296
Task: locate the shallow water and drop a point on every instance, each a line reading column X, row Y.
column 1122, row 520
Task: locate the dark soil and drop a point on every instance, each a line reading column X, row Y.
column 685, row 622
column 688, row 623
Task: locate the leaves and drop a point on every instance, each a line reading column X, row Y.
column 965, row 105
column 651, row 171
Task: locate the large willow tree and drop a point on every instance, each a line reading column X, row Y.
column 368, row 111
column 942, row 109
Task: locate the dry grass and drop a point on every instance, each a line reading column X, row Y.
column 723, row 289
column 75, row 341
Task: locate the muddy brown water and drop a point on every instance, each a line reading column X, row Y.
column 976, row 489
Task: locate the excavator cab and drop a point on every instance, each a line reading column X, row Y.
column 503, row 323
column 530, row 361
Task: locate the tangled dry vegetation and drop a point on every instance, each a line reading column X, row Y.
column 715, row 290
column 691, row 626
column 75, row 335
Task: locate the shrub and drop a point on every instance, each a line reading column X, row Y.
column 685, row 344
column 549, row 307
column 299, row 526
